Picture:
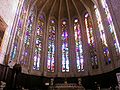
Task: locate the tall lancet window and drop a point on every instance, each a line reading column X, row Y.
column 29, row 28
column 91, row 44
column 51, row 46
column 65, row 49
column 38, row 41
column 111, row 26
column 22, row 18
column 14, row 52
column 78, row 45
column 27, row 38
column 103, row 37
column 20, row 14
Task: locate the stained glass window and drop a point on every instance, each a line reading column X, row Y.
column 65, row 49
column 103, row 37
column 27, row 38
column 22, row 18
column 38, row 42
column 78, row 45
column 91, row 44
column 14, row 52
column 29, row 28
column 111, row 26
column 51, row 46
column 20, row 14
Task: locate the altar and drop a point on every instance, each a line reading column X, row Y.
column 67, row 86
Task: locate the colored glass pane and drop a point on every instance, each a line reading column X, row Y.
column 91, row 44
column 22, row 18
column 14, row 52
column 103, row 37
column 78, row 45
column 51, row 46
column 111, row 26
column 29, row 28
column 38, row 42
column 27, row 38
column 20, row 14
column 64, row 37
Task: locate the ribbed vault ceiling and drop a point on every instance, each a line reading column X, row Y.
column 62, row 8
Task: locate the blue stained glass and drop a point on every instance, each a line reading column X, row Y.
column 14, row 52
column 20, row 13
column 111, row 27
column 65, row 50
column 102, row 36
column 27, row 38
column 78, row 45
column 51, row 46
column 29, row 28
column 90, row 37
column 22, row 18
column 38, row 42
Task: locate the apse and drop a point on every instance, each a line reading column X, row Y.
column 64, row 38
